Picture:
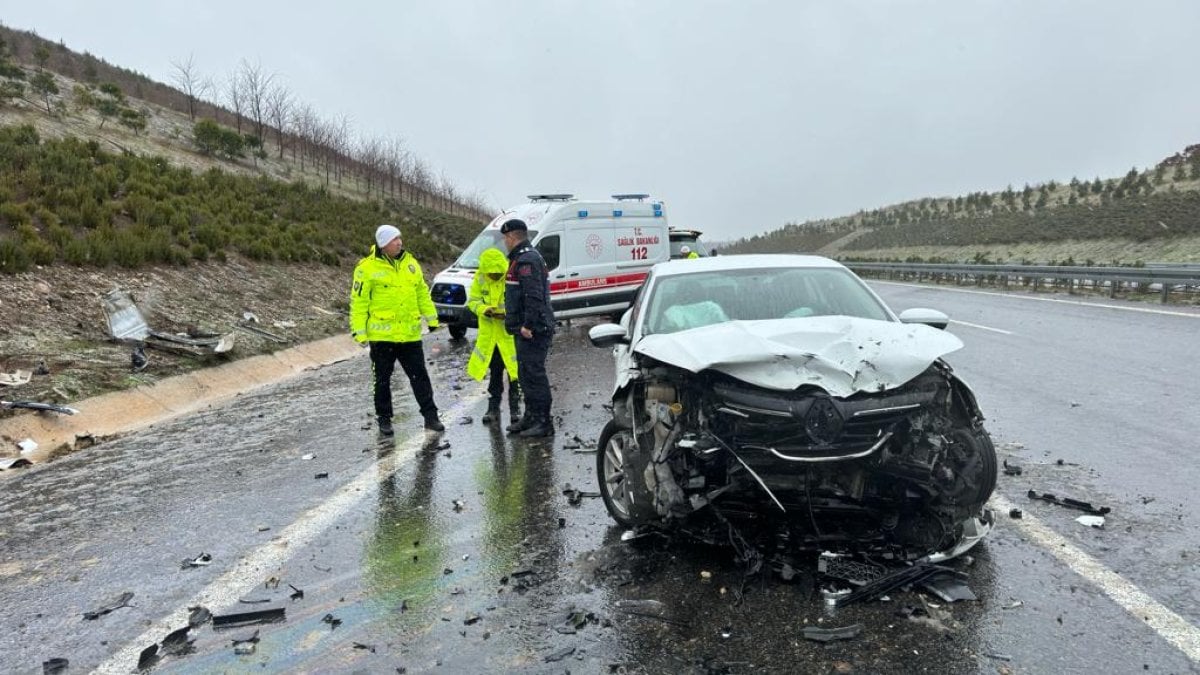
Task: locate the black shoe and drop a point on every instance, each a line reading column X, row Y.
column 520, row 425
column 540, row 428
column 492, row 414
column 433, row 424
column 385, row 427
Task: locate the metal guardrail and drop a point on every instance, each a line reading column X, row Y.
column 1112, row 279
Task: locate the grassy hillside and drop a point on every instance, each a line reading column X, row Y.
column 70, row 201
column 1152, row 214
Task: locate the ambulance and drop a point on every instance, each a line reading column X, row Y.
column 598, row 253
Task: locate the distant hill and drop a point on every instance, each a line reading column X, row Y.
column 1151, row 214
column 92, row 174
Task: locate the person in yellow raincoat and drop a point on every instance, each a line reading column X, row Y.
column 495, row 350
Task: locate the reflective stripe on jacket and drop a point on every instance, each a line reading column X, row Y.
column 486, row 293
column 388, row 299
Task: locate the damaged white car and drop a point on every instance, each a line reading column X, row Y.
column 781, row 392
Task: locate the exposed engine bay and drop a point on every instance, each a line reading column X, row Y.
column 904, row 471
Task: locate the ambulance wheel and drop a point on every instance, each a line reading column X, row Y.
column 458, row 332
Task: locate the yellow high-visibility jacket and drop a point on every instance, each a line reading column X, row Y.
column 389, row 298
column 486, row 293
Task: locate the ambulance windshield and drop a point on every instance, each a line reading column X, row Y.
column 489, row 238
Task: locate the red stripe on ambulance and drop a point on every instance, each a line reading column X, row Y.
column 617, row 281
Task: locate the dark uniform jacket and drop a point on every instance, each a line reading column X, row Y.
column 527, row 292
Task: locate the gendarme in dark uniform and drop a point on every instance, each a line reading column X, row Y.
column 530, row 320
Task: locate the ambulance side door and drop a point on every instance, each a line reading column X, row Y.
column 588, row 255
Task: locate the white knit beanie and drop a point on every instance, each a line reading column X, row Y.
column 385, row 234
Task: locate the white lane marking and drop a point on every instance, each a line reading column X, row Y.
column 975, row 325
column 1169, row 625
column 253, row 569
column 1144, row 310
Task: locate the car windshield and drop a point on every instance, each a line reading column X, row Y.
column 487, row 239
column 683, row 301
column 678, row 243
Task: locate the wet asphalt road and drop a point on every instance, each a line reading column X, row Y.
column 513, row 575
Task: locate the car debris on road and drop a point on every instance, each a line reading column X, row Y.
column 1070, row 503
column 201, row 560
column 127, row 324
column 39, row 406
column 120, row 602
column 239, row 619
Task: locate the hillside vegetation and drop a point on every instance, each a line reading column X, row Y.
column 1154, row 213
column 68, row 200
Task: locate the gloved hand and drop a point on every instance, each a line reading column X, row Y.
column 434, row 327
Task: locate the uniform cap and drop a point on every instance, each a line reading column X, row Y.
column 513, row 225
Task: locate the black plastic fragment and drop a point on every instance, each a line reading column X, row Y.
column 121, row 601
column 1015, row 513
column 831, row 634
column 882, row 586
column 1012, row 469
column 274, row 615
column 331, row 620
column 948, row 587
column 297, row 594
column 177, row 642
column 198, row 616
column 55, row 666
column 323, row 474
column 1070, row 503
column 148, row 658
column 369, row 648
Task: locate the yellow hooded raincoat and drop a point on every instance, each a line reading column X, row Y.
column 486, row 293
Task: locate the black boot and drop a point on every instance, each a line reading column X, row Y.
column 493, row 413
column 540, row 428
column 520, row 425
column 385, row 426
column 432, row 423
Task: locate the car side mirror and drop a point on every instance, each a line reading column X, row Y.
column 608, row 335
column 928, row 317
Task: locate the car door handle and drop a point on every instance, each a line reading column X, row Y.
column 574, row 274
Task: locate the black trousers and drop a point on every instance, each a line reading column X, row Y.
column 531, row 372
column 496, row 373
column 411, row 356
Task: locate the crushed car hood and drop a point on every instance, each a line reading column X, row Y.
column 840, row 354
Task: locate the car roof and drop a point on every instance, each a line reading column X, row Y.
column 742, row 262
column 681, row 234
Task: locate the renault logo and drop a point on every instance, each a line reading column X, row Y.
column 823, row 421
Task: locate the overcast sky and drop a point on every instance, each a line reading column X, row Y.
column 741, row 115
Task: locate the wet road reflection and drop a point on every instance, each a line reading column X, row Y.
column 512, row 579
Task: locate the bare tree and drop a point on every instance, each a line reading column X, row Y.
column 279, row 111
column 395, row 160
column 256, row 87
column 235, row 98
column 187, row 77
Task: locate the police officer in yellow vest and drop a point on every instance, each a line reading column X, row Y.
column 495, row 350
column 387, row 301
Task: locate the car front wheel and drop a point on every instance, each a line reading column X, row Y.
column 618, row 480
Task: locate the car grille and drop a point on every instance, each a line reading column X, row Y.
column 449, row 294
column 812, row 425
